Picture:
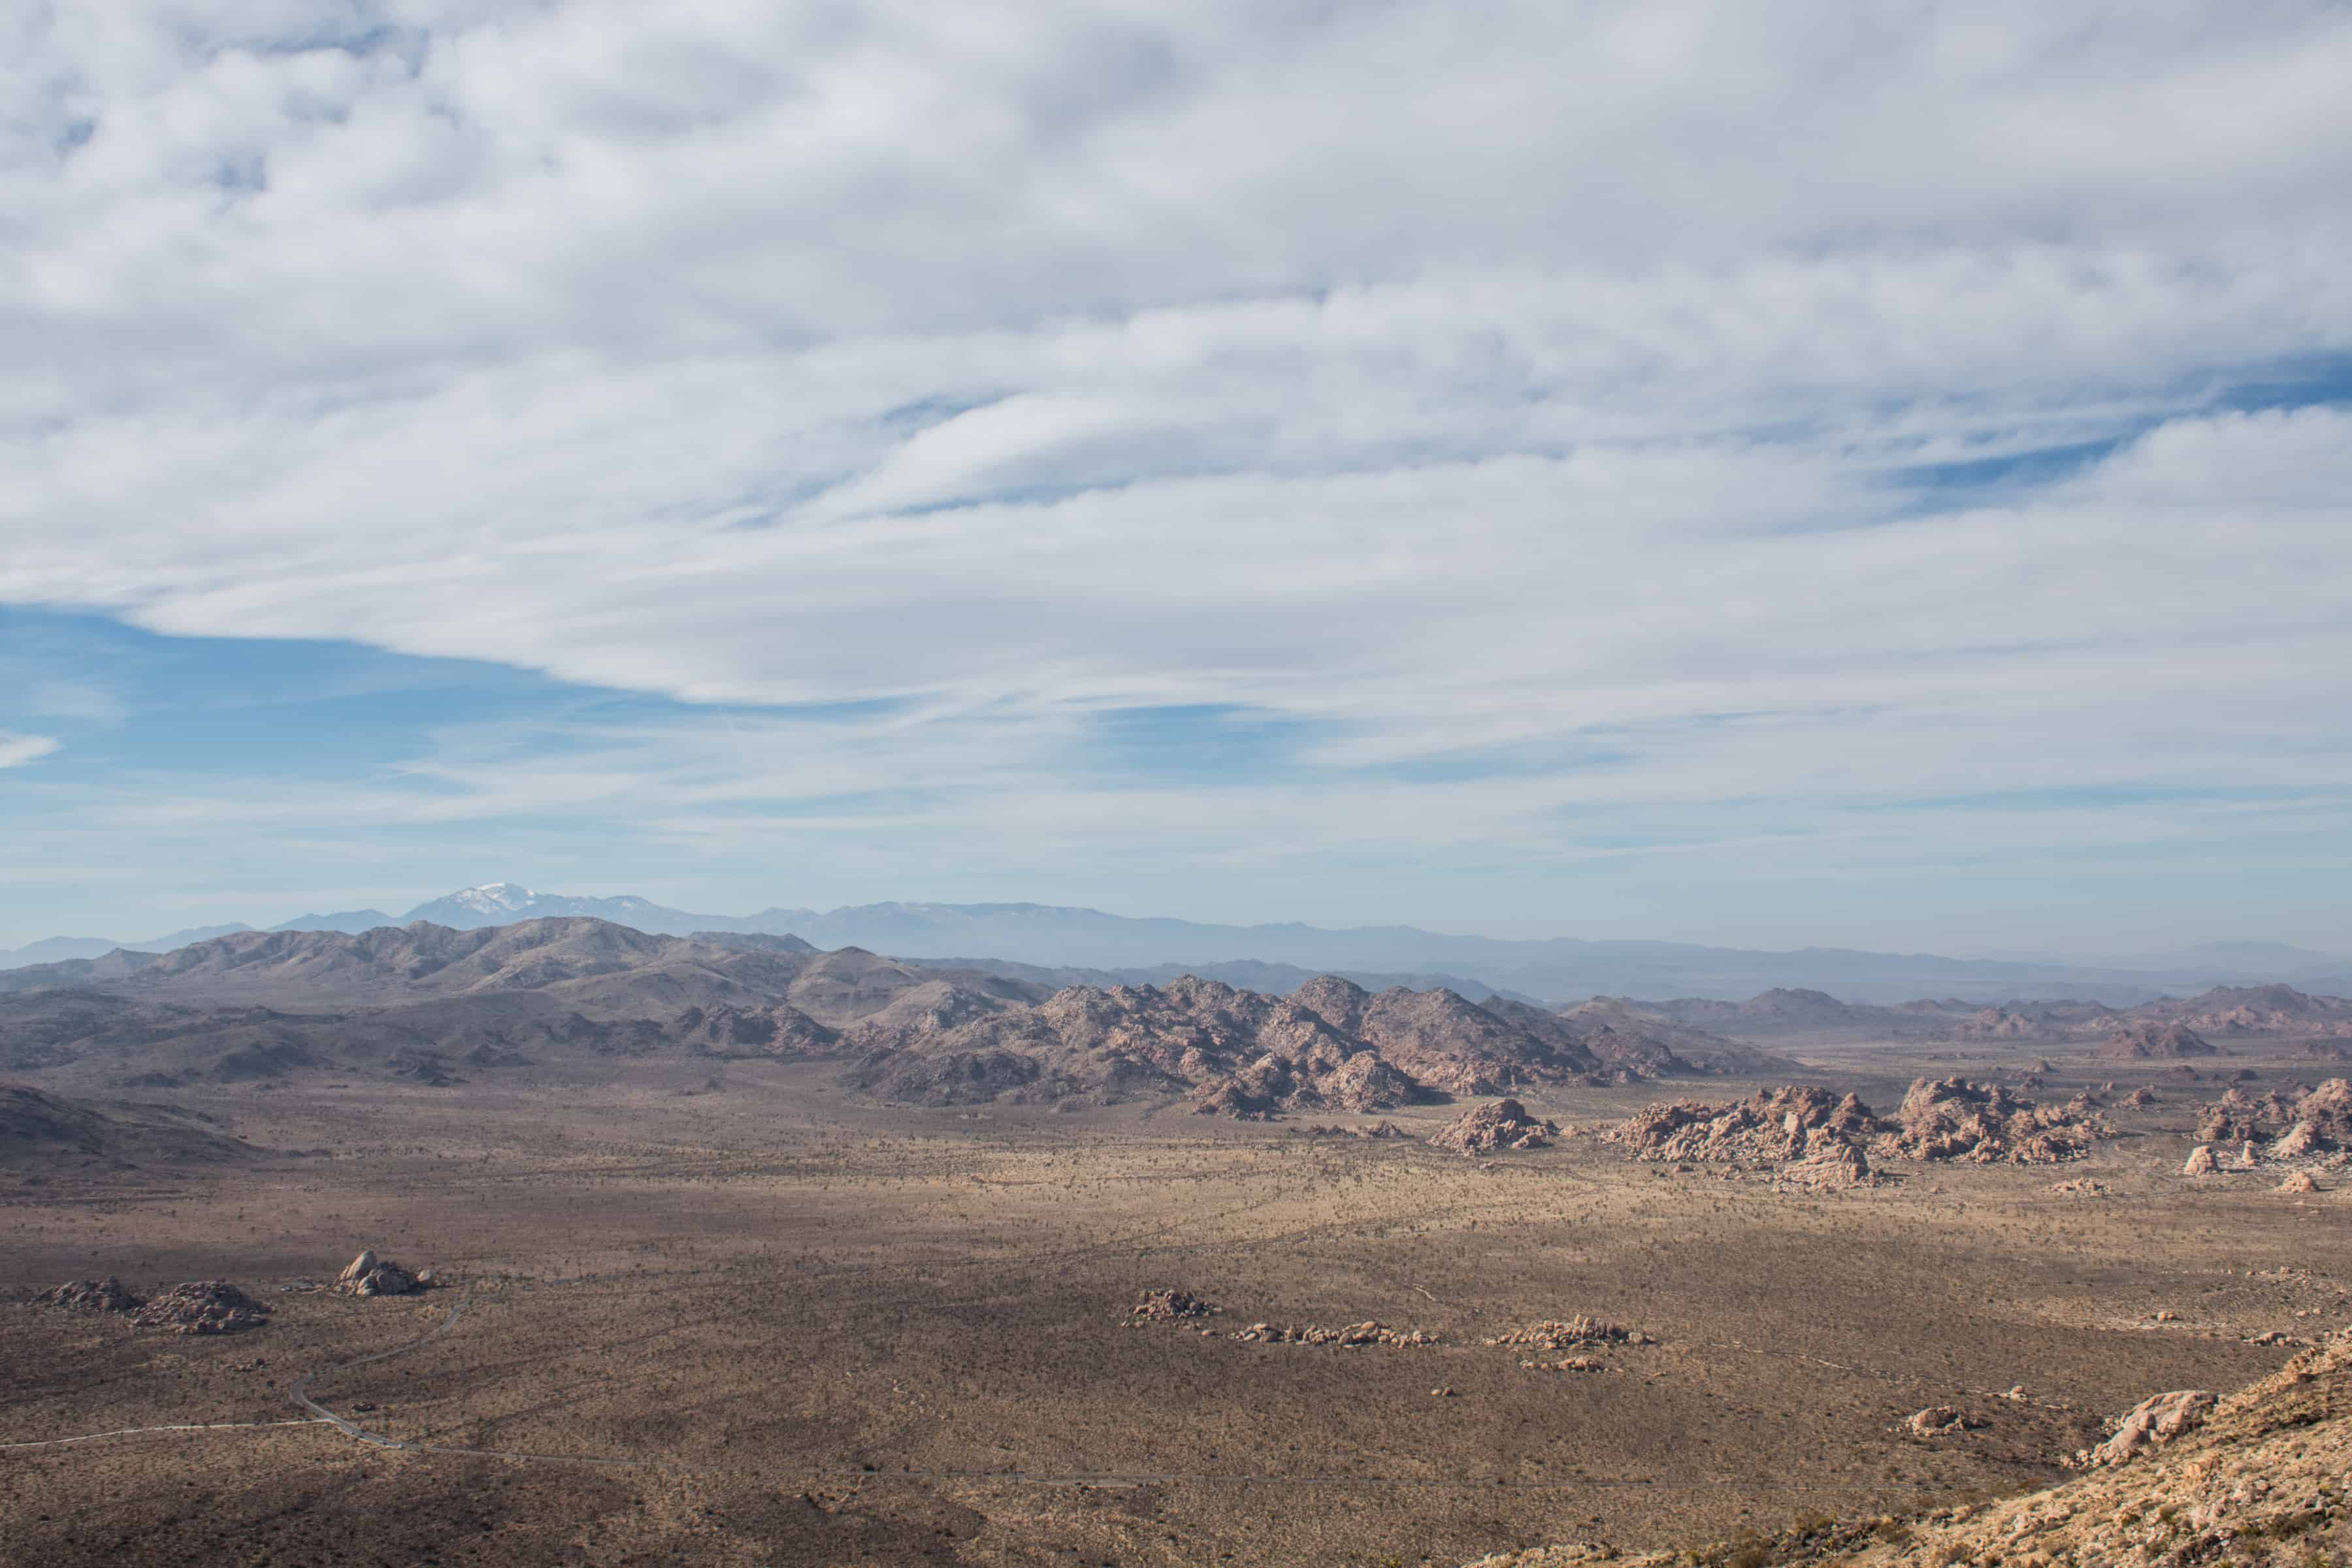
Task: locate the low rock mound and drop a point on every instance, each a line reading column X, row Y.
column 1571, row 1334
column 105, row 1295
column 1940, row 1421
column 2150, row 1424
column 1384, row 1128
column 2201, row 1162
column 1168, row 1306
column 2299, row 1182
column 203, row 1306
column 1489, row 1128
column 1368, row 1332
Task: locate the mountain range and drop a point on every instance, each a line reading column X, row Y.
column 1055, row 937
column 436, row 1005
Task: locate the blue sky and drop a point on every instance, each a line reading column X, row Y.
column 1642, row 471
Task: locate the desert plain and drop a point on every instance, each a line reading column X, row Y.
column 699, row 1312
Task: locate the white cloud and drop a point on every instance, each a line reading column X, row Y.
column 16, row 750
column 1470, row 396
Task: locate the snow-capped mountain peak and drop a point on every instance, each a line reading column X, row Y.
column 504, row 903
column 495, row 898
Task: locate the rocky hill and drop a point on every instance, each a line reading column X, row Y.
column 2146, row 1039
column 2231, row 1011
column 1647, row 1044
column 2223, row 1013
column 434, row 1005
column 1785, row 1010
column 1239, row 1052
column 42, row 1130
column 2037, row 1021
column 603, row 970
column 1330, row 1045
column 2260, row 1476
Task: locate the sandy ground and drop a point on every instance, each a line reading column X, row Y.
column 759, row 1324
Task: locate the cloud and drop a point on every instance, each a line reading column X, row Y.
column 16, row 750
column 1630, row 425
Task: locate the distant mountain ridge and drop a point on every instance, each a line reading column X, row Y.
column 59, row 949
column 1059, row 938
column 433, row 1005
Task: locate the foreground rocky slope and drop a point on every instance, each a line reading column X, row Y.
column 2261, row 1476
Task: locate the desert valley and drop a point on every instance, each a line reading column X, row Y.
column 558, row 1241
column 1301, row 785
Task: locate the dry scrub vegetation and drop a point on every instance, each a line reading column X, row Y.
column 740, row 1319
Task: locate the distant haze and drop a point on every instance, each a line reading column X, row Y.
column 1054, row 937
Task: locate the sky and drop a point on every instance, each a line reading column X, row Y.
column 1875, row 474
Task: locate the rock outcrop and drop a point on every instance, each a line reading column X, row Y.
column 368, row 1275
column 2255, row 1476
column 1816, row 1138
column 1795, row 1123
column 1939, row 1421
column 1487, row 1129
column 2291, row 1123
column 1983, row 1123
column 1169, row 1306
column 203, row 1306
column 2150, row 1424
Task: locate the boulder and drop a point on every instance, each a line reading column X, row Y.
column 2201, row 1162
column 368, row 1275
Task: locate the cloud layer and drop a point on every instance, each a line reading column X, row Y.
column 1654, row 430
